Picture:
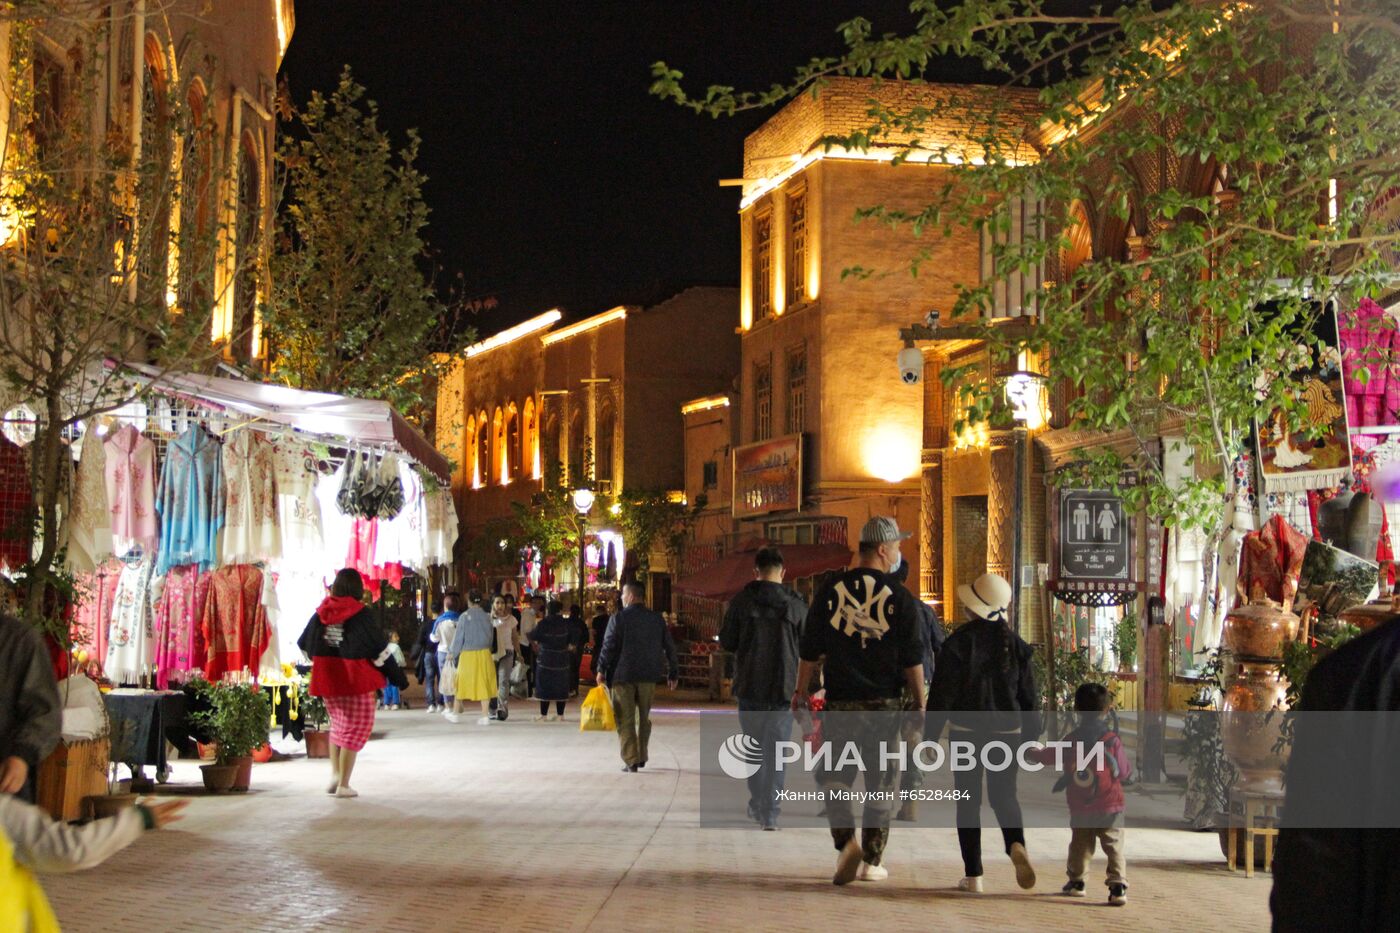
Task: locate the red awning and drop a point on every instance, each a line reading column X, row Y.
column 728, row 575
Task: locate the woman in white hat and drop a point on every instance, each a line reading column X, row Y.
column 984, row 688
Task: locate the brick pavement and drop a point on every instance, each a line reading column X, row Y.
column 531, row 826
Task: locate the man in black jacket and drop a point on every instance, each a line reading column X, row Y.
column 637, row 652
column 1338, row 862
column 30, row 708
column 863, row 629
column 761, row 627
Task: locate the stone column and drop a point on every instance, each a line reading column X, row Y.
column 931, row 526
column 1001, row 500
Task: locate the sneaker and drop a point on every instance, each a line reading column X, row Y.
column 848, row 863
column 1073, row 889
column 333, row 786
column 1117, row 894
column 1025, row 874
column 343, row 792
column 451, row 716
column 502, row 714
column 538, row 717
column 485, row 721
column 432, row 707
column 769, row 822
column 971, row 885
column 868, row 872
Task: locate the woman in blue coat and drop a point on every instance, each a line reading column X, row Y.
column 554, row 645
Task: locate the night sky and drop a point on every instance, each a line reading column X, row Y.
column 553, row 177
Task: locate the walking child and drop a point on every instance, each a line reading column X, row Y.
column 1095, row 794
column 392, row 698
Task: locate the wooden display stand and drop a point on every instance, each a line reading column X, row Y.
column 72, row 772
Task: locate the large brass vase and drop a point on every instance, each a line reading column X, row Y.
column 1253, row 692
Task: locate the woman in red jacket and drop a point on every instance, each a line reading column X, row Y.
column 346, row 651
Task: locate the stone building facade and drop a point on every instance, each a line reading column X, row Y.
column 599, row 396
column 820, row 340
column 217, row 62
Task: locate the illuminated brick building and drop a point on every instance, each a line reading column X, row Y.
column 820, row 344
column 216, row 61
column 599, row 396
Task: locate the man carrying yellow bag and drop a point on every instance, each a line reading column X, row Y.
column 596, row 714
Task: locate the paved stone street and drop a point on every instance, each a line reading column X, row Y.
column 527, row 825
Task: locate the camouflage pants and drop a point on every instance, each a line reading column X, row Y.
column 912, row 732
column 866, row 724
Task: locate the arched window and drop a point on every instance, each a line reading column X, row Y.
column 603, row 443
column 530, row 440
column 483, row 449
column 196, row 240
column 471, row 467
column 155, row 180
column 498, row 441
column 510, row 453
column 248, row 230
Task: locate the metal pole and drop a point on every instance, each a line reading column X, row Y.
column 1018, row 509
column 582, row 558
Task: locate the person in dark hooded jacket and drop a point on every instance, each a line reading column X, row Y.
column 984, row 687
column 761, row 628
column 346, row 650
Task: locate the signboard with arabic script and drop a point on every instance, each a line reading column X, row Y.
column 768, row 477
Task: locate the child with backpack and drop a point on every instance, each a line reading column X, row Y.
column 1094, row 795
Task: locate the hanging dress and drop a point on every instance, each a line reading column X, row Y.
column 298, row 509
column 129, row 648
column 250, row 515
column 90, row 521
column 16, row 505
column 96, row 592
column 130, row 471
column 234, row 621
column 190, row 501
column 179, row 641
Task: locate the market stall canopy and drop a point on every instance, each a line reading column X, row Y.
column 728, row 575
column 319, row 415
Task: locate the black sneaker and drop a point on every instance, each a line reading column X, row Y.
column 1117, row 894
column 502, row 713
column 1073, row 889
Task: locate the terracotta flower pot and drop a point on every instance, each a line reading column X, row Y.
column 1259, row 630
column 1248, row 734
column 318, row 743
column 218, row 779
column 244, row 776
column 105, row 805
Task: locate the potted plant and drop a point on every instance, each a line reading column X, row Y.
column 1125, row 642
column 237, row 722
column 314, row 719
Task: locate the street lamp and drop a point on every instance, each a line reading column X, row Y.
column 583, row 504
column 1024, row 393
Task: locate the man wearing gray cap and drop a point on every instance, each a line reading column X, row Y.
column 863, row 629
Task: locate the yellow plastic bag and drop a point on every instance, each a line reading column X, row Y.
column 596, row 714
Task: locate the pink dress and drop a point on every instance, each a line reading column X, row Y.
column 179, row 641
column 131, row 488
column 96, row 593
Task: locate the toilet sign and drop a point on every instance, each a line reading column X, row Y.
column 1093, row 543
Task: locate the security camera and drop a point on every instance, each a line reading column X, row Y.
column 931, row 319
column 911, row 365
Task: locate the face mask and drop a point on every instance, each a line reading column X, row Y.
column 897, row 562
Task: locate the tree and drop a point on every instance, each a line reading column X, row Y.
column 351, row 310
column 93, row 266
column 1234, row 162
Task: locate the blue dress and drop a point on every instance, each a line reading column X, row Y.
column 190, row 501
